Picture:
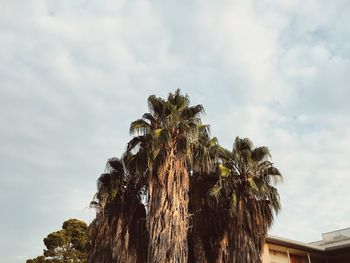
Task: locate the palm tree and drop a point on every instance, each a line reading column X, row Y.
column 177, row 196
column 167, row 135
column 118, row 234
column 245, row 188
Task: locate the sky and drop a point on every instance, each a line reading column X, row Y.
column 74, row 74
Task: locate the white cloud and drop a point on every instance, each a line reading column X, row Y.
column 75, row 74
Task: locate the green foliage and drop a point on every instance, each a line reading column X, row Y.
column 67, row 245
column 170, row 124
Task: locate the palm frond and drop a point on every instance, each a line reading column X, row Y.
column 192, row 112
column 149, row 117
column 156, row 105
column 260, row 153
column 140, row 126
column 243, row 144
column 134, row 142
column 216, row 191
column 224, row 153
column 224, row 171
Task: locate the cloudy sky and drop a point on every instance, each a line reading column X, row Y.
column 74, row 74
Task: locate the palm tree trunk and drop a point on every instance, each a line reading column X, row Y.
column 168, row 213
column 118, row 237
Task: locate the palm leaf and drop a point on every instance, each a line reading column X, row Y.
column 140, row 126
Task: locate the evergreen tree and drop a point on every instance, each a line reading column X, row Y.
column 68, row 245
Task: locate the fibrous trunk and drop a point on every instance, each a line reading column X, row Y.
column 117, row 236
column 251, row 221
column 168, row 213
